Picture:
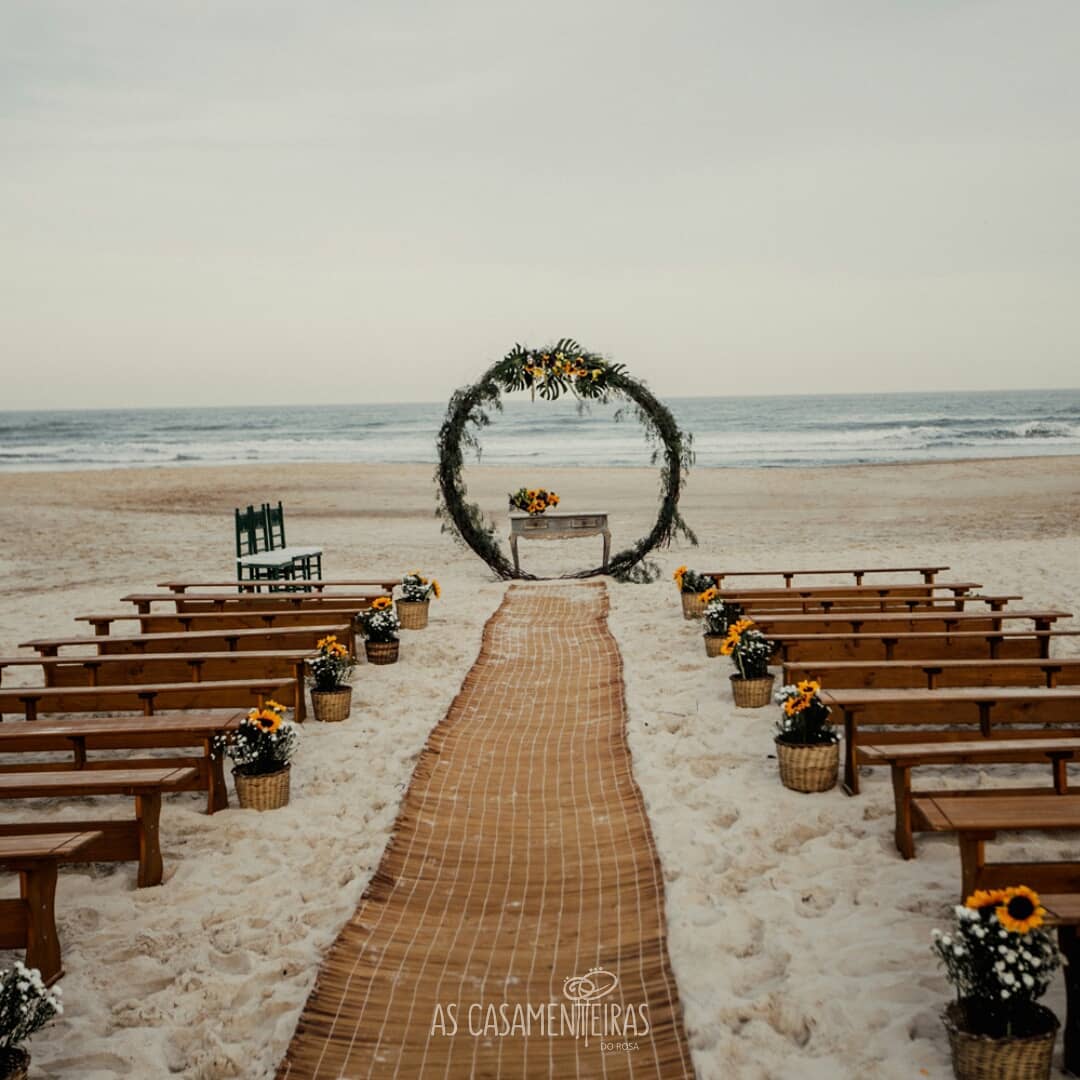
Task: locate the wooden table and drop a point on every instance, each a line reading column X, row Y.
column 558, row 525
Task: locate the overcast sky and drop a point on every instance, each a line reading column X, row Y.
column 347, row 201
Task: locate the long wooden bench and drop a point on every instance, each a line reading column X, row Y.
column 275, row 586
column 928, row 645
column 31, row 701
column 29, row 922
column 932, row 674
column 904, row 621
column 977, row 821
column 985, row 706
column 132, row 840
column 163, row 731
column 289, row 637
column 929, row 573
column 1049, row 749
column 285, row 601
column 143, row 668
column 801, row 605
column 214, row 620
column 941, row 590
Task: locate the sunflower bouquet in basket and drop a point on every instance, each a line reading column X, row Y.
column 328, row 673
column 533, row 500
column 1001, row 961
column 696, row 590
column 718, row 616
column 262, row 743
column 751, row 651
column 379, row 625
column 416, row 595
column 804, row 717
column 26, row 1006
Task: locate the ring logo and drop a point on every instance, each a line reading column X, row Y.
column 588, row 1011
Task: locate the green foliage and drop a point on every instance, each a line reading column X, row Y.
column 562, row 368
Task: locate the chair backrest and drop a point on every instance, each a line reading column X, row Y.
column 274, row 526
column 250, row 531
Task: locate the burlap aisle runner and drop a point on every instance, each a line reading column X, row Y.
column 521, row 861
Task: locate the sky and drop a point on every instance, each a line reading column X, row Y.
column 265, row 202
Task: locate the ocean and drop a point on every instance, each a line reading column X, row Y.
column 830, row 429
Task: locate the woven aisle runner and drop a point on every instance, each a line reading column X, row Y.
column 522, row 858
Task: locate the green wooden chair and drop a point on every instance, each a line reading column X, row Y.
column 254, row 562
column 308, row 560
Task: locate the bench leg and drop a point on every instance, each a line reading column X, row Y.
column 148, row 815
column 972, row 860
column 851, row 765
column 1070, row 949
column 901, row 782
column 38, row 889
column 217, row 794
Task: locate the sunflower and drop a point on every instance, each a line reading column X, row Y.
column 265, row 720
column 808, row 687
column 709, row 595
column 381, row 603
column 678, row 575
column 276, row 706
column 326, row 642
column 435, row 588
column 984, row 898
column 727, row 646
column 1020, row 910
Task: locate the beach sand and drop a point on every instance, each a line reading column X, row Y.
column 799, row 938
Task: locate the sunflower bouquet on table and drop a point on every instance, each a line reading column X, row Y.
column 379, row 625
column 697, row 590
column 416, row 595
column 533, row 500
column 1000, row 960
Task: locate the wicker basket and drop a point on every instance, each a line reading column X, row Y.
column 713, row 643
column 413, row 614
column 14, row 1063
column 979, row 1057
column 382, row 652
column 808, row 768
column 752, row 693
column 331, row 706
column 267, row 792
column 692, row 605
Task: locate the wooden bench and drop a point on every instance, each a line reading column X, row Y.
column 904, row 621
column 942, row 590
column 79, row 738
column 1063, row 912
column 932, row 674
column 929, row 573
column 901, row 759
column 928, row 645
column 274, row 586
column 130, row 840
column 286, row 601
column 803, row 605
column 30, row 921
column 216, row 620
column 31, row 701
column 289, row 637
column 123, row 669
column 986, row 706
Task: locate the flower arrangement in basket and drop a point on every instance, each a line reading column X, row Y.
column 261, row 747
column 328, row 673
column 718, row 616
column 1001, row 961
column 697, row 591
column 807, row 745
column 533, row 500
column 751, row 651
column 26, row 1006
column 379, row 624
column 416, row 595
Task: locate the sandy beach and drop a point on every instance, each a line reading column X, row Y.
column 798, row 937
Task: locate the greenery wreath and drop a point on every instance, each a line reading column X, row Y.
column 564, row 368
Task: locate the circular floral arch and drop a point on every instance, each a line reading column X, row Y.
column 564, row 368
